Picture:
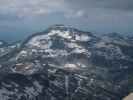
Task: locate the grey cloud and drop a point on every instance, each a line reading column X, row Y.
column 111, row 4
column 31, row 7
column 24, row 8
column 8, row 17
column 88, row 13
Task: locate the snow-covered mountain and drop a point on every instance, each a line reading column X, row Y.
column 64, row 63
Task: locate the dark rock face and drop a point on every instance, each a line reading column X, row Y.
column 63, row 63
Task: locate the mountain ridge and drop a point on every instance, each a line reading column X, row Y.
column 64, row 63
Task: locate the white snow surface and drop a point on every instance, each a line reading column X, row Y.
column 43, row 41
column 1, row 43
column 83, row 38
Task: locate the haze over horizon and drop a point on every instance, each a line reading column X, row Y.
column 19, row 19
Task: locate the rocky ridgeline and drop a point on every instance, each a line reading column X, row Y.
column 64, row 63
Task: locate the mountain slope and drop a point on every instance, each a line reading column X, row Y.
column 64, row 63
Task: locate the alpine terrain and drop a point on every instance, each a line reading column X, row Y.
column 64, row 63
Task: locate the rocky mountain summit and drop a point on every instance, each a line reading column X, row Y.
column 64, row 63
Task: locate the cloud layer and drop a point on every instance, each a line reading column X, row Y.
column 95, row 15
column 25, row 8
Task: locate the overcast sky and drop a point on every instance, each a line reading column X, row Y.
column 22, row 17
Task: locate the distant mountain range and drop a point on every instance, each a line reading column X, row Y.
column 64, row 63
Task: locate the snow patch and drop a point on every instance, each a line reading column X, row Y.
column 82, row 37
column 63, row 34
column 1, row 43
column 70, row 66
column 41, row 41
